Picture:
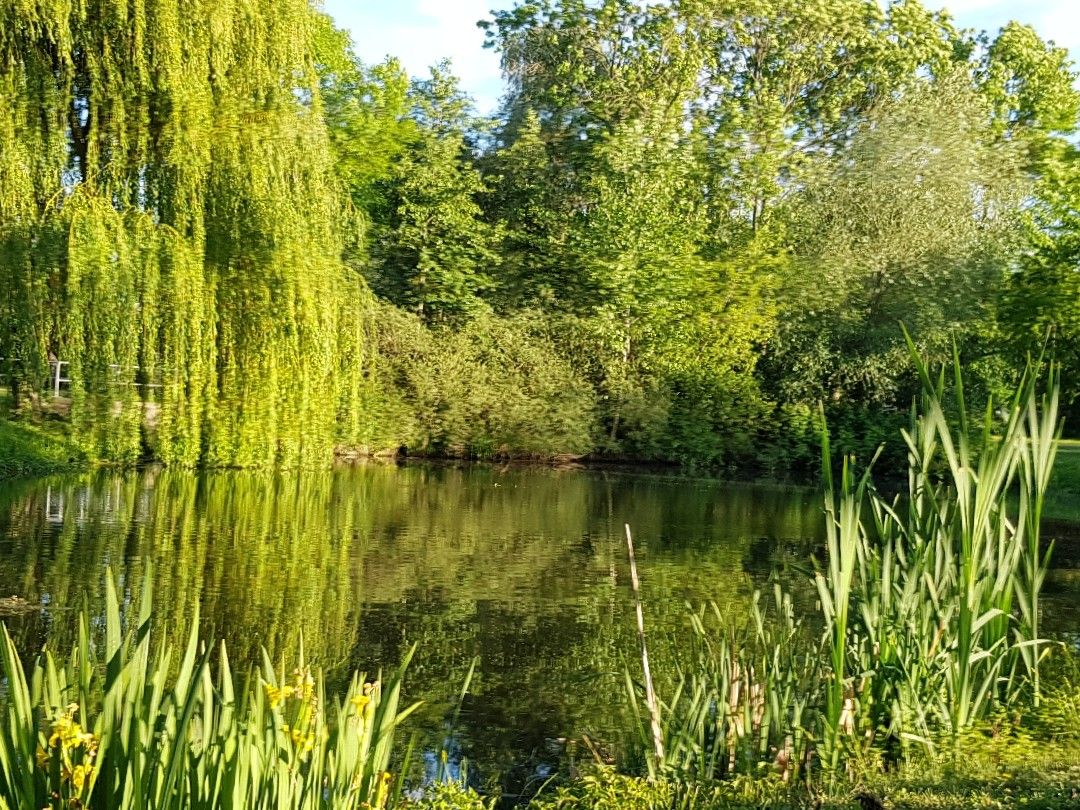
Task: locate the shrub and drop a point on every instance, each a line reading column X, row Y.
column 449, row 795
column 490, row 388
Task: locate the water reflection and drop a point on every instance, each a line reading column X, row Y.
column 522, row 568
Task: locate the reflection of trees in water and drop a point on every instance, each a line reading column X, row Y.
column 522, row 567
column 262, row 557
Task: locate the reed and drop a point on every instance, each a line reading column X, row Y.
column 928, row 604
column 108, row 726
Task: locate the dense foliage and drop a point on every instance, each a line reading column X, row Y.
column 929, row 608
column 687, row 224
column 117, row 724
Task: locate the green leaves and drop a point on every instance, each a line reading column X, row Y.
column 1029, row 83
column 172, row 228
column 433, row 253
column 164, row 738
column 928, row 607
column 915, row 221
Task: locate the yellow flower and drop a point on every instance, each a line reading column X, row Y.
column 278, row 696
column 304, row 684
column 68, row 734
column 360, row 702
column 80, row 775
column 303, row 742
column 42, row 757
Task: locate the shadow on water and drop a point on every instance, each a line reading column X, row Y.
column 522, row 568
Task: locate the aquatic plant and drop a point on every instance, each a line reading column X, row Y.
column 927, row 614
column 122, row 724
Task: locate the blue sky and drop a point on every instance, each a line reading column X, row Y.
column 420, row 32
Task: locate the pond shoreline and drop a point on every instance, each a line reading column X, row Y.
column 30, row 449
column 36, row 450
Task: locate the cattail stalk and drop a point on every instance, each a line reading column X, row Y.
column 650, row 692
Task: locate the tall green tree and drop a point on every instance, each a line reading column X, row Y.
column 789, row 79
column 917, row 221
column 171, row 225
column 585, row 79
column 1031, row 87
column 601, row 186
column 434, row 252
column 1041, row 305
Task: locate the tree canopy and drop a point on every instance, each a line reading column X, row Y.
column 688, row 223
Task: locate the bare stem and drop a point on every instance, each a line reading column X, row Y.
column 650, row 693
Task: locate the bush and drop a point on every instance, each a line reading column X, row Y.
column 606, row 790
column 448, row 795
column 490, row 388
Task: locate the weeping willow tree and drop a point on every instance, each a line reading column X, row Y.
column 169, row 225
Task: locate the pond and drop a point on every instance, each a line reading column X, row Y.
column 522, row 569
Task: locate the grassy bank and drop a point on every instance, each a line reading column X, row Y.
column 979, row 784
column 1066, row 479
column 1029, row 763
column 35, row 450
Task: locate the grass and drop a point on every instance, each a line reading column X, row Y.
column 27, row 450
column 1063, row 497
column 1022, row 760
column 1010, row 785
column 1066, row 478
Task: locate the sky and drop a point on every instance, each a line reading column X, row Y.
column 421, row 32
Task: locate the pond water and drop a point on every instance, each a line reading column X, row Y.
column 522, row 569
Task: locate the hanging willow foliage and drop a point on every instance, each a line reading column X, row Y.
column 169, row 224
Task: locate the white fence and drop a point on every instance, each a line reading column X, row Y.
column 59, row 376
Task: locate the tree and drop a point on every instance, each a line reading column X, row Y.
column 1030, row 86
column 171, row 221
column 1042, row 301
column 590, row 67
column 585, row 80
column 434, row 251
column 917, row 221
column 786, row 80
